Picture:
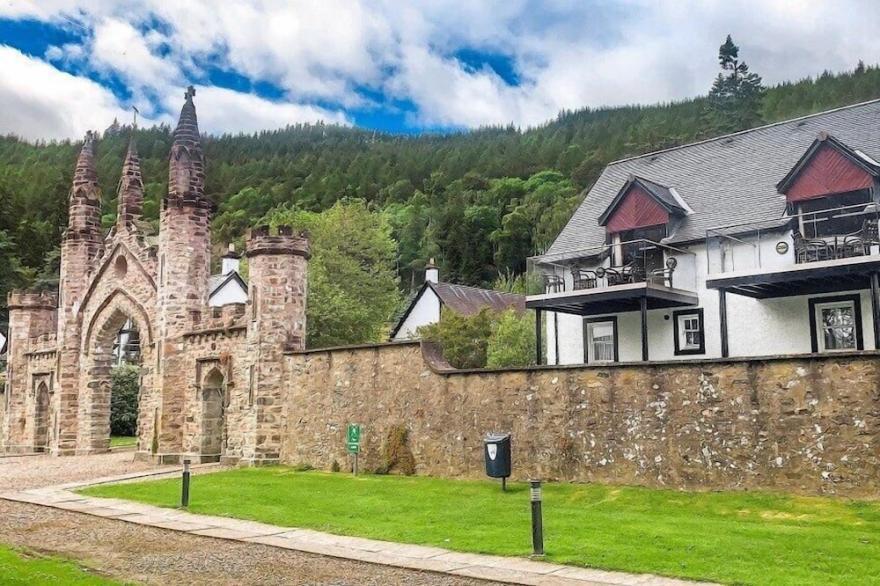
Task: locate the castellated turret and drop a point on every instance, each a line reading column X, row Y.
column 277, row 294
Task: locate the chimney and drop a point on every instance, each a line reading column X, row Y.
column 230, row 260
column 432, row 273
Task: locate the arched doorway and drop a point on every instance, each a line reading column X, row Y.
column 41, row 418
column 213, row 432
column 115, row 371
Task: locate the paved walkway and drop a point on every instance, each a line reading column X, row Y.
column 414, row 557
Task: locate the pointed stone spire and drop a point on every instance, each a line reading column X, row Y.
column 130, row 194
column 84, row 217
column 186, row 169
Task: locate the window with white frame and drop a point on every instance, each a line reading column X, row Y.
column 836, row 324
column 600, row 340
column 688, row 332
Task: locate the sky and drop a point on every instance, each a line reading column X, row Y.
column 411, row 66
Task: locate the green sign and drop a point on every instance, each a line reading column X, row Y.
column 353, row 438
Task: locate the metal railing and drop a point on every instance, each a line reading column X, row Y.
column 802, row 237
column 612, row 265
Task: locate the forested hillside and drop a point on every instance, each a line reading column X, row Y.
column 480, row 202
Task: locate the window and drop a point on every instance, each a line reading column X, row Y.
column 818, row 218
column 836, row 323
column 127, row 347
column 688, row 331
column 600, row 340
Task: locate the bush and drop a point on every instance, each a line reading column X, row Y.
column 496, row 340
column 125, row 386
column 463, row 338
column 512, row 342
column 397, row 454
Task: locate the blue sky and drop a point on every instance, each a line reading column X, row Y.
column 402, row 66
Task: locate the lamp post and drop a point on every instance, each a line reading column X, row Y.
column 537, row 521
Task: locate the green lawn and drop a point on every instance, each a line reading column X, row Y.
column 120, row 441
column 732, row 537
column 18, row 567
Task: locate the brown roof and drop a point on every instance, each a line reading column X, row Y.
column 465, row 300
column 470, row 300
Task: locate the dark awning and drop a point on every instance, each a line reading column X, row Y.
column 617, row 299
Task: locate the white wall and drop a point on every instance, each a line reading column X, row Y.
column 426, row 311
column 231, row 292
column 756, row 327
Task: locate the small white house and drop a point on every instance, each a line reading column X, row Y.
column 762, row 242
column 435, row 296
column 228, row 286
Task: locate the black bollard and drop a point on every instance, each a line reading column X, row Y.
column 184, row 489
column 537, row 521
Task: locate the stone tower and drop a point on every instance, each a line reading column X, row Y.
column 31, row 313
column 184, row 266
column 277, row 310
column 81, row 245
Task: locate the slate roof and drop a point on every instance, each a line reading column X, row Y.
column 470, row 300
column 726, row 180
column 464, row 300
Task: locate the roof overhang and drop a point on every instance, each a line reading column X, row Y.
column 825, row 276
column 617, row 299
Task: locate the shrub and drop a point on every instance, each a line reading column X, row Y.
column 397, row 454
column 512, row 342
column 463, row 338
column 496, row 340
column 124, row 389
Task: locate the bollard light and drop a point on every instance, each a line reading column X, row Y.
column 537, row 521
column 184, row 489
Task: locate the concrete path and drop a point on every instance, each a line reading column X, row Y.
column 415, row 557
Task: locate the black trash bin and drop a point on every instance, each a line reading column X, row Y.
column 496, row 450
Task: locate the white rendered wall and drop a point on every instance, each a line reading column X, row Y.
column 426, row 311
column 756, row 327
column 229, row 293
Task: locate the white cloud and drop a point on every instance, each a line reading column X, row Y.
column 37, row 101
column 566, row 53
column 221, row 110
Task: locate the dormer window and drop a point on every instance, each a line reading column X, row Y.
column 829, row 188
column 642, row 210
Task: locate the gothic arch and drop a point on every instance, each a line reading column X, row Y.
column 130, row 257
column 97, row 363
column 118, row 303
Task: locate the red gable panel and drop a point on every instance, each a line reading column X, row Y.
column 827, row 172
column 637, row 210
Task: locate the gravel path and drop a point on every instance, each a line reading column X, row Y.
column 155, row 556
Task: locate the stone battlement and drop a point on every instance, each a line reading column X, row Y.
column 32, row 299
column 260, row 240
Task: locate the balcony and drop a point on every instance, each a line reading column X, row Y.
column 626, row 276
column 822, row 251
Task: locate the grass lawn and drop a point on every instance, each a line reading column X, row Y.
column 732, row 537
column 18, row 567
column 120, row 441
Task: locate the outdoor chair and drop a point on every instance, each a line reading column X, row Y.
column 554, row 284
column 811, row 250
column 583, row 279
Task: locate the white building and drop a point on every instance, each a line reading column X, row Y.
column 762, row 242
column 435, row 296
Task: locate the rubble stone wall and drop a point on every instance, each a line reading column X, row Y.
column 805, row 424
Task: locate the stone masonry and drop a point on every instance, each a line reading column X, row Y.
column 801, row 424
column 210, row 377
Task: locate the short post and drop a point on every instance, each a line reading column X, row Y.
column 184, row 489
column 355, row 466
column 537, row 521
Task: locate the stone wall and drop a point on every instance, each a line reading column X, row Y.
column 805, row 424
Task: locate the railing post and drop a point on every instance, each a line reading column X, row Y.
column 875, row 308
column 722, row 312
column 538, row 336
column 644, row 308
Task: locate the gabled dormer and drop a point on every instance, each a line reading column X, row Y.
column 828, row 168
column 642, row 203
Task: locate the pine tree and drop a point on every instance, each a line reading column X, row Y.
column 734, row 101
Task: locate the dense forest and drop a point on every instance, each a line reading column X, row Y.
column 479, row 202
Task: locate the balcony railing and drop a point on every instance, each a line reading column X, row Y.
column 845, row 232
column 613, row 265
